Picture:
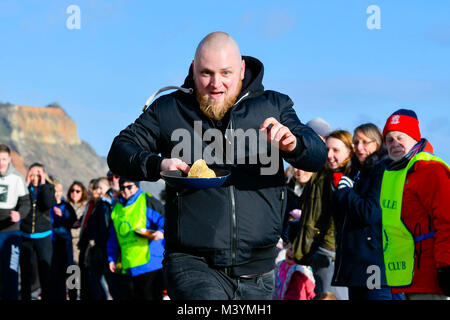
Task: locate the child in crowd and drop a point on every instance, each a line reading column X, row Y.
column 293, row 281
column 327, row 295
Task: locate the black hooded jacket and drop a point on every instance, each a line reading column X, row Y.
column 238, row 224
column 358, row 223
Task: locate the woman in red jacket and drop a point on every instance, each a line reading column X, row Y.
column 423, row 271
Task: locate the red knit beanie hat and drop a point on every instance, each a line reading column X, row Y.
column 405, row 121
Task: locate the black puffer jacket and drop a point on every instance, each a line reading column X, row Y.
column 238, row 224
column 38, row 220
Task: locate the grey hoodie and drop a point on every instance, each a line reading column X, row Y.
column 13, row 196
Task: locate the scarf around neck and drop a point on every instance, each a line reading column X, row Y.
column 403, row 162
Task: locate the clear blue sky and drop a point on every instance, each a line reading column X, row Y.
column 320, row 53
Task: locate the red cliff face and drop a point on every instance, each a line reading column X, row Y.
column 47, row 135
column 47, row 125
column 17, row 162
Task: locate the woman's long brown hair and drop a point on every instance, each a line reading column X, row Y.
column 84, row 193
column 347, row 138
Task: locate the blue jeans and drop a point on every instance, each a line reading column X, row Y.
column 191, row 278
column 364, row 293
column 9, row 265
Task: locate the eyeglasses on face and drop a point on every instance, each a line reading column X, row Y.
column 128, row 187
column 364, row 143
column 75, row 190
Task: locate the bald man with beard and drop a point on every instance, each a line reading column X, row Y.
column 216, row 95
column 220, row 242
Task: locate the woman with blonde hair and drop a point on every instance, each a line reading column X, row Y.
column 358, row 218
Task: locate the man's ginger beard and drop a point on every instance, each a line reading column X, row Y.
column 214, row 109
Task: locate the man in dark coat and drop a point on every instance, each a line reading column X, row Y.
column 220, row 242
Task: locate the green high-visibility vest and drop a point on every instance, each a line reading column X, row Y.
column 134, row 249
column 398, row 241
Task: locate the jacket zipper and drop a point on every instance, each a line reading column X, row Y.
column 233, row 214
column 232, row 196
column 233, row 206
column 234, row 227
column 33, row 220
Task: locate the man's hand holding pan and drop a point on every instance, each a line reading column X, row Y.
column 174, row 164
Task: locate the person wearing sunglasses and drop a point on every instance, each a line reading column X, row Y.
column 113, row 180
column 141, row 257
column 77, row 196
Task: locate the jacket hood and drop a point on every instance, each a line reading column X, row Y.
column 252, row 82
